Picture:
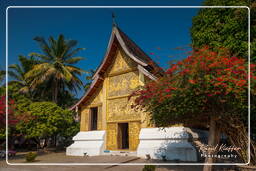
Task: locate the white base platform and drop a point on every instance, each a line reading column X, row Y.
column 170, row 142
column 91, row 143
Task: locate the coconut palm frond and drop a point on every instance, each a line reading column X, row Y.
column 73, row 60
column 73, row 52
column 15, row 76
column 41, row 56
column 43, row 45
column 56, row 71
column 75, row 70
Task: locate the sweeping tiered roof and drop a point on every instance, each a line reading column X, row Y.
column 119, row 39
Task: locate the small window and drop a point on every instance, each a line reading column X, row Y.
column 94, row 118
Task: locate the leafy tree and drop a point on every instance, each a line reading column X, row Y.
column 2, row 76
column 26, row 120
column 2, row 90
column 46, row 120
column 56, row 71
column 12, row 120
column 208, row 89
column 67, row 99
column 225, row 27
column 22, row 101
column 18, row 106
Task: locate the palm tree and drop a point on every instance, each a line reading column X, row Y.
column 17, row 72
column 56, row 72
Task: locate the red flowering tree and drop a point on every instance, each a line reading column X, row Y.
column 206, row 89
column 12, row 121
column 11, row 118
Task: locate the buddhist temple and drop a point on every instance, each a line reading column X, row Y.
column 109, row 124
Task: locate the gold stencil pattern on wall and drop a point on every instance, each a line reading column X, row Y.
column 96, row 98
column 121, row 63
column 123, row 84
column 120, row 110
column 134, row 131
column 84, row 120
column 111, row 136
column 99, row 126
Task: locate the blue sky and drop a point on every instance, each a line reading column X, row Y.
column 151, row 29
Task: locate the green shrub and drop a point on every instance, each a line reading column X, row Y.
column 31, row 156
column 149, row 168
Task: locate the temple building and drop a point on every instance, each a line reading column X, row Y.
column 107, row 121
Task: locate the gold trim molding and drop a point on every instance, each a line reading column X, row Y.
column 117, row 97
column 124, row 121
column 93, row 105
column 122, row 72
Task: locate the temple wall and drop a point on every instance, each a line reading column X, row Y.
column 122, row 79
column 134, row 131
column 84, row 119
column 95, row 101
column 114, row 106
column 108, row 120
column 145, row 117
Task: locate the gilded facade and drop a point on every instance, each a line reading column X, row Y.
column 105, row 106
column 121, row 80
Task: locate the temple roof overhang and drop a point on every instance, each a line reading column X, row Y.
column 119, row 39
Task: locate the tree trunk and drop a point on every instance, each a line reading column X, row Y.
column 55, row 92
column 38, row 146
column 54, row 141
column 213, row 140
column 10, row 142
column 45, row 143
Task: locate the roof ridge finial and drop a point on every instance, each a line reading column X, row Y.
column 114, row 19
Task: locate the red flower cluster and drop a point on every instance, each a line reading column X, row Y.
column 213, row 74
column 11, row 118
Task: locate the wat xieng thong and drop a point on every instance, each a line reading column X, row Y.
column 109, row 124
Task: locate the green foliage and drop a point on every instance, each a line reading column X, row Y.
column 2, row 133
column 18, row 71
column 225, row 27
column 40, row 119
column 149, row 168
column 31, row 156
column 68, row 133
column 18, row 109
column 48, row 120
column 67, row 99
column 71, row 130
column 56, row 71
column 39, row 78
column 2, row 90
column 205, row 84
column 22, row 100
column 2, row 76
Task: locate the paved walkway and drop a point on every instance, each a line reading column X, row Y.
column 62, row 158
